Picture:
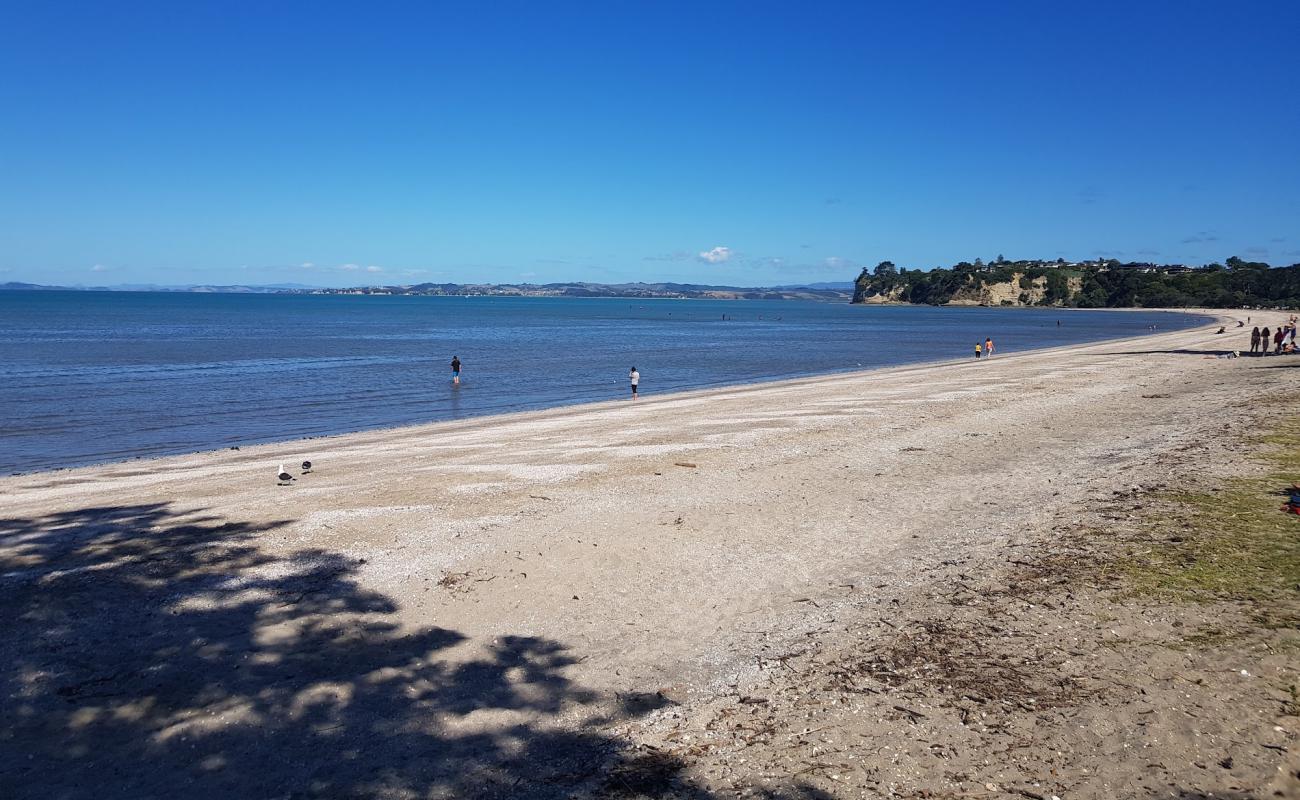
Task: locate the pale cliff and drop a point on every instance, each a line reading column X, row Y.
column 1020, row 290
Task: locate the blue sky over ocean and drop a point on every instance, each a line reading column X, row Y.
column 743, row 143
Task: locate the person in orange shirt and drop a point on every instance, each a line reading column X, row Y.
column 988, row 348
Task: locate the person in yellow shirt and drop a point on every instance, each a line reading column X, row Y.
column 977, row 351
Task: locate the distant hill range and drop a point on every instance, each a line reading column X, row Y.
column 824, row 291
column 151, row 287
column 828, row 292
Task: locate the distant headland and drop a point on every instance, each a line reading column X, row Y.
column 1086, row 284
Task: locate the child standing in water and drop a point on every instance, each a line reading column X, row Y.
column 455, row 369
column 635, row 377
column 977, row 351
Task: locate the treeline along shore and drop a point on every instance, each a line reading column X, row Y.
column 1089, row 284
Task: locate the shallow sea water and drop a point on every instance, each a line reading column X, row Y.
column 87, row 377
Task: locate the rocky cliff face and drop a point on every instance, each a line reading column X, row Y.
column 869, row 290
column 1007, row 293
column 870, row 295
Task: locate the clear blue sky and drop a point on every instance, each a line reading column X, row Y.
column 745, row 143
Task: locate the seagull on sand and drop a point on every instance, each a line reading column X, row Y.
column 306, row 467
column 284, row 477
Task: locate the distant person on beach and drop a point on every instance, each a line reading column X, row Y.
column 977, row 351
column 455, row 369
column 1277, row 341
column 988, row 348
column 1254, row 341
column 635, row 377
column 1265, row 336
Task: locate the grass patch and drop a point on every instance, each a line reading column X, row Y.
column 1235, row 543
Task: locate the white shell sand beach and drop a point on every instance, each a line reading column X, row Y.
column 549, row 603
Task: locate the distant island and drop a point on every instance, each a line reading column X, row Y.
column 825, row 292
column 822, row 291
column 1088, row 284
column 14, row 286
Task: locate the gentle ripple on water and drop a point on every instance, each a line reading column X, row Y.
column 87, row 377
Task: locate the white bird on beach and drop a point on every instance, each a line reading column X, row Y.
column 284, row 477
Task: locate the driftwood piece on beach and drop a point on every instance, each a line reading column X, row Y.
column 684, row 464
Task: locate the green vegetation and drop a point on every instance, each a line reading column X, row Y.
column 1235, row 543
column 1095, row 284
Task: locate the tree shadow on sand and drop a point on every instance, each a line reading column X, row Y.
column 1178, row 351
column 154, row 653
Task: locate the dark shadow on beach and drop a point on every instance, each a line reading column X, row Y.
column 1181, row 351
column 150, row 652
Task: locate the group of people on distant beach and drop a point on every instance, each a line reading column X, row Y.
column 1280, row 341
column 985, row 349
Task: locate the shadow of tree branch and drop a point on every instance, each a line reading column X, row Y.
column 155, row 652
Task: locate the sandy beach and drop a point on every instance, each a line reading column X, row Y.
column 591, row 599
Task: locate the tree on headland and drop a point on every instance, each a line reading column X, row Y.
column 1058, row 289
column 1235, row 263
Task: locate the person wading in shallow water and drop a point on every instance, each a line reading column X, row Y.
column 455, row 369
column 635, row 377
column 988, row 348
column 978, row 351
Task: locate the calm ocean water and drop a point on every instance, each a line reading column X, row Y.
column 87, row 377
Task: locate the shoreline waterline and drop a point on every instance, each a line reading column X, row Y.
column 302, row 446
